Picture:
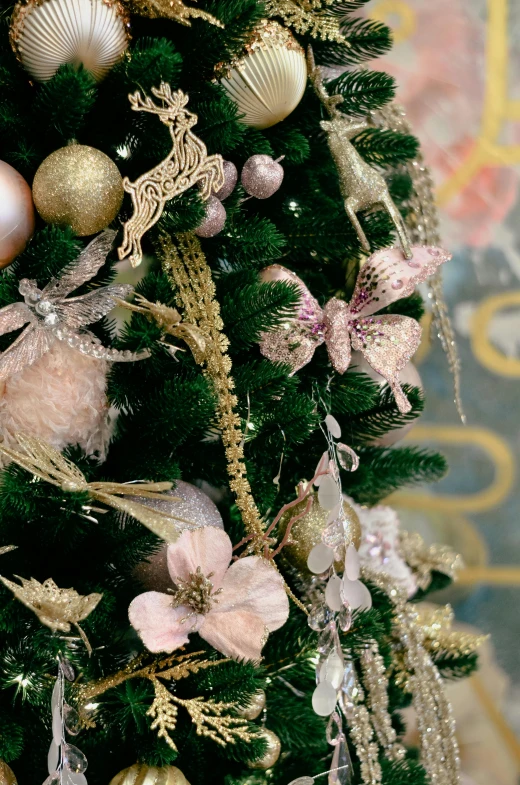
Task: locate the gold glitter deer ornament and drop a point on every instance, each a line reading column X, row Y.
column 362, row 187
column 186, row 165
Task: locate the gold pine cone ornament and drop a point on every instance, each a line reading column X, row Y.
column 307, row 532
column 141, row 774
column 269, row 81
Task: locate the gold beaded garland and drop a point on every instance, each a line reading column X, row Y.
column 78, row 186
column 271, row 754
column 255, row 706
column 307, row 531
column 6, row 774
column 140, row 774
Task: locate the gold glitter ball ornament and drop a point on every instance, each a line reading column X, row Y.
column 269, row 81
column 78, row 186
column 255, row 706
column 140, row 774
column 6, row 774
column 307, row 531
column 47, row 34
column 271, row 754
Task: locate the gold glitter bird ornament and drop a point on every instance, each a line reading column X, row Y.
column 56, row 608
column 361, row 186
column 188, row 164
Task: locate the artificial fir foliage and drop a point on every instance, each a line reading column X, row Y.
column 167, row 426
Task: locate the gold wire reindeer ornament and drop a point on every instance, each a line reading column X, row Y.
column 362, row 187
column 187, row 164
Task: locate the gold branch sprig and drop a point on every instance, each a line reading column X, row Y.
column 309, row 17
column 213, row 719
column 45, row 462
column 176, row 10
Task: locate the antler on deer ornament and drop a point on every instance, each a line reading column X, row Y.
column 187, row 164
column 361, row 186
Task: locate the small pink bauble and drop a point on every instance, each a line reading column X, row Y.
column 16, row 214
column 194, row 506
column 261, row 176
column 409, row 375
column 215, row 218
column 230, row 180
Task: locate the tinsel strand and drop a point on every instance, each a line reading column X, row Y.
column 376, row 684
column 423, row 225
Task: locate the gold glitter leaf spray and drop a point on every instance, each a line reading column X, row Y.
column 186, row 165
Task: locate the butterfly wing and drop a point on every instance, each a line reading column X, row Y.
column 79, row 311
column 32, row 344
column 336, row 317
column 388, row 343
column 82, row 269
column 14, row 316
column 387, row 276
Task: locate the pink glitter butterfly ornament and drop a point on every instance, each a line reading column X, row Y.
column 387, row 341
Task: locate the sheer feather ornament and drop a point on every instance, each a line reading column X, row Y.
column 50, row 315
column 387, row 341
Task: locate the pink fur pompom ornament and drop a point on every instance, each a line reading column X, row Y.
column 59, row 398
column 233, row 608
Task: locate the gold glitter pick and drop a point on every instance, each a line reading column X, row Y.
column 187, row 164
column 362, row 187
column 56, row 608
column 170, row 322
column 7, row 549
column 48, row 464
column 170, row 9
column 425, row 559
column 423, row 225
column 309, row 17
column 441, row 638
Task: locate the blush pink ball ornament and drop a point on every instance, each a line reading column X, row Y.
column 230, row 180
column 16, row 214
column 60, row 398
column 194, row 506
column 409, row 375
column 215, row 218
column 261, row 176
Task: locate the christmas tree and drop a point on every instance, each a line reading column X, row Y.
column 171, row 608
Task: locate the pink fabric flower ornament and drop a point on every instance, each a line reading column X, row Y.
column 232, row 607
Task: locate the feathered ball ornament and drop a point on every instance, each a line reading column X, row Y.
column 150, row 775
column 268, row 83
column 61, row 398
column 46, row 34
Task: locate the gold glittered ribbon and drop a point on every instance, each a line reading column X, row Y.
column 45, row 462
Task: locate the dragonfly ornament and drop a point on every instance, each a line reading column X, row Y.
column 387, row 341
column 50, row 315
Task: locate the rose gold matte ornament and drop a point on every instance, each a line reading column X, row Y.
column 16, row 214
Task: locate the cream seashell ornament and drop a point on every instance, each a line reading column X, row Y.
column 268, row 83
column 47, row 34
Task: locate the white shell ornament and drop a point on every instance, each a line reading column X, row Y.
column 268, row 83
column 46, row 35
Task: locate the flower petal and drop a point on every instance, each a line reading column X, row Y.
column 252, row 584
column 237, row 633
column 158, row 624
column 208, row 548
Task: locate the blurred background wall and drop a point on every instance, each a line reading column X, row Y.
column 457, row 64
